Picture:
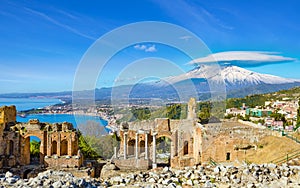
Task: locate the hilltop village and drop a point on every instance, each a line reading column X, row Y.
column 281, row 115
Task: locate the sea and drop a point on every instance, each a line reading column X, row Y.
column 30, row 103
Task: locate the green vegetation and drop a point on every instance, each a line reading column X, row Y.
column 103, row 145
column 140, row 113
column 298, row 117
column 204, row 115
column 94, row 141
column 87, row 151
column 163, row 145
column 35, row 149
column 251, row 101
column 259, row 99
column 176, row 111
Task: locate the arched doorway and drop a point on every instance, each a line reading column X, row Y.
column 163, row 151
column 54, row 148
column 131, row 146
column 64, row 147
column 186, row 148
column 32, row 150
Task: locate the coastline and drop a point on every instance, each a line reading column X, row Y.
column 55, row 106
column 109, row 123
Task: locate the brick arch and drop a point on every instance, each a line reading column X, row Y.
column 39, row 135
column 26, row 148
column 164, row 135
column 167, row 134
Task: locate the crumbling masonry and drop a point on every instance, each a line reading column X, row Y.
column 59, row 142
column 191, row 142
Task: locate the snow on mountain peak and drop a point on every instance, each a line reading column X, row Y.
column 232, row 75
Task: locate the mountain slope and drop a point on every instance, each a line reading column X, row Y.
column 232, row 75
column 235, row 81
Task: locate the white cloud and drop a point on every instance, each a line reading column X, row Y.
column 145, row 48
column 243, row 58
column 140, row 47
column 151, row 49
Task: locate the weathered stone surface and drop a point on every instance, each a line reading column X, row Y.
column 59, row 142
column 244, row 176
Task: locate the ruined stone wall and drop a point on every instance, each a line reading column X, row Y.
column 7, row 114
column 15, row 141
column 62, row 143
column 133, row 164
column 181, row 133
column 9, row 140
column 63, row 161
column 228, row 144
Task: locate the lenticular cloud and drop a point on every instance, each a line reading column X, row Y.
column 243, row 58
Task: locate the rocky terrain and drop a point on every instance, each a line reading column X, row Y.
column 266, row 175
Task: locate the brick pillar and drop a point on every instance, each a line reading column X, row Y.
column 58, row 144
column 125, row 145
column 115, row 153
column 49, row 145
column 154, row 165
column 146, row 145
column 136, row 145
column 174, row 143
column 70, row 145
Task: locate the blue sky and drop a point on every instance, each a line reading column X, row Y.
column 42, row 42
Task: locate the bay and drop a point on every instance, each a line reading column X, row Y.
column 30, row 103
column 59, row 118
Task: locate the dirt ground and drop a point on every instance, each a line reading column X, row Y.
column 271, row 148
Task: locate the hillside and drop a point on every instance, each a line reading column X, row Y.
column 271, row 147
column 259, row 99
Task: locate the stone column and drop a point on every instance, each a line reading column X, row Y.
column 49, row 145
column 115, row 153
column 136, row 145
column 154, row 165
column 70, row 145
column 146, row 145
column 42, row 148
column 58, row 144
column 125, row 145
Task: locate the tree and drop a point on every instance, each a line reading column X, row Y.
column 86, row 150
column 174, row 111
column 94, row 142
column 141, row 113
column 92, row 128
column 35, row 149
column 279, row 117
column 298, row 116
column 204, row 115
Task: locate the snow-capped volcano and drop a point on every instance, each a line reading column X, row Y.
column 234, row 74
column 231, row 75
column 204, row 81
